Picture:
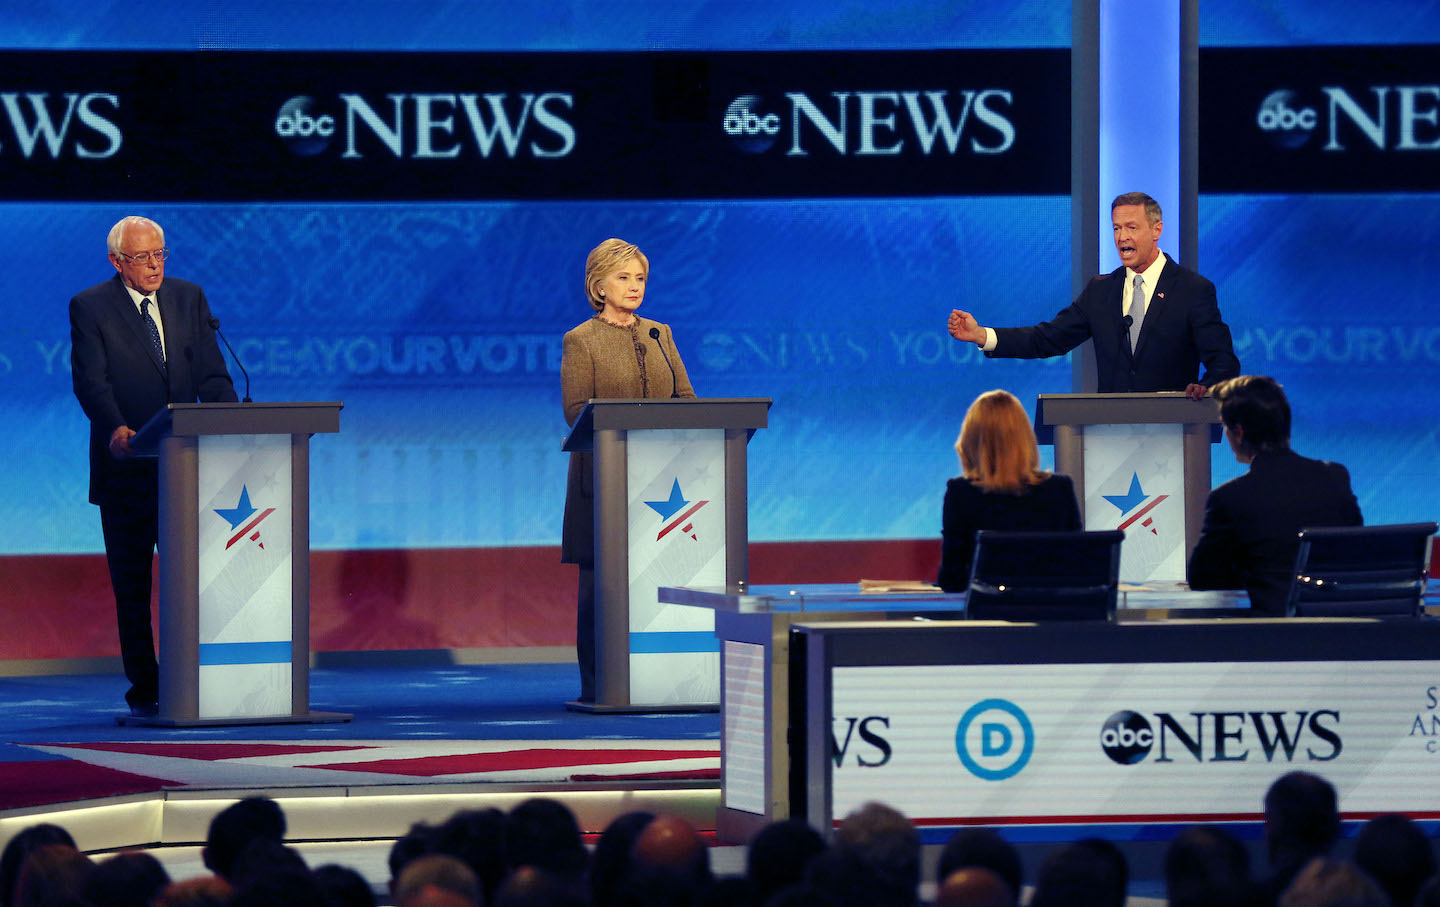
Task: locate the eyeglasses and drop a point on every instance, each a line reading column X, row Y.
column 143, row 258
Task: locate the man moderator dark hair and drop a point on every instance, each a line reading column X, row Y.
column 1252, row 522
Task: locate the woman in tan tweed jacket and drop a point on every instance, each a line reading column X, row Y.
column 613, row 354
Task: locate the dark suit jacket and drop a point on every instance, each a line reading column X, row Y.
column 1182, row 329
column 120, row 381
column 1048, row 506
column 1251, row 523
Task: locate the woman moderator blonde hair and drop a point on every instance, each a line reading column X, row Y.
column 613, row 354
column 1001, row 485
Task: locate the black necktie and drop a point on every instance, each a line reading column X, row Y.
column 153, row 328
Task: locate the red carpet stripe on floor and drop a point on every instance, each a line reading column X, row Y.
column 43, row 783
column 699, row 774
column 515, row 760
column 209, row 752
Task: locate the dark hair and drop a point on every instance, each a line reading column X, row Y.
column 476, row 837
column 19, row 847
column 130, row 879
column 341, row 886
column 1255, row 404
column 542, row 832
column 610, row 861
column 236, row 826
column 416, row 842
column 1301, row 818
column 778, row 855
column 1088, row 873
column 51, row 876
column 1152, row 207
column 1397, row 854
column 1206, row 865
column 984, row 848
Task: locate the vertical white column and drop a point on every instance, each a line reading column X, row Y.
column 1140, row 113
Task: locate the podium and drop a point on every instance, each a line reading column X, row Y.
column 670, row 510
column 234, row 632
column 1141, row 464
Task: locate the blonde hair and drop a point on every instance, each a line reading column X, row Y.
column 604, row 260
column 997, row 445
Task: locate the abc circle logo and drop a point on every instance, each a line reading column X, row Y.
column 1126, row 737
column 752, row 130
column 303, row 130
column 994, row 739
column 1284, row 124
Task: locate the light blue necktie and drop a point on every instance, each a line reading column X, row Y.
column 1137, row 311
column 152, row 328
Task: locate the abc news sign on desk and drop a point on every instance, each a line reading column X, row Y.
column 1320, row 119
column 1132, row 743
column 335, row 126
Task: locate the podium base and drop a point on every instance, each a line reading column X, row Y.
column 601, row 708
column 162, row 721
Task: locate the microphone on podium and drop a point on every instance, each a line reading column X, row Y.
column 674, row 381
column 215, row 326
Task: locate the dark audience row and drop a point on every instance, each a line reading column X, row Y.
column 536, row 855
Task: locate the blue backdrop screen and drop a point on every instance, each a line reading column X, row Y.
column 438, row 323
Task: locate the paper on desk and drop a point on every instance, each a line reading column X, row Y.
column 881, row 586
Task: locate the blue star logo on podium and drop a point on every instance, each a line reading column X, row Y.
column 676, row 504
column 239, row 518
column 1134, row 498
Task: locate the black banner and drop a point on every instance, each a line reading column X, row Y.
column 1320, row 119
column 382, row 126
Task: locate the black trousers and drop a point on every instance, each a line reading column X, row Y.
column 131, row 531
column 585, row 631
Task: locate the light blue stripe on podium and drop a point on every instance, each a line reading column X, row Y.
column 245, row 653
column 672, row 641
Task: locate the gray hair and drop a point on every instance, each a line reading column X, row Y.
column 1152, row 207
column 117, row 232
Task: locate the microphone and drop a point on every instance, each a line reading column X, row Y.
column 215, row 326
column 1125, row 324
column 674, row 381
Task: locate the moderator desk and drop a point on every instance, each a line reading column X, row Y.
column 1124, row 730
column 757, row 698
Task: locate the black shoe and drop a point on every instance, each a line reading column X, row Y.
column 144, row 709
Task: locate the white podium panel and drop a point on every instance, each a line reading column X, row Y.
column 244, row 572
column 1135, row 482
column 675, row 480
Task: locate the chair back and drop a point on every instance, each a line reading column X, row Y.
column 1361, row 571
column 1040, row 576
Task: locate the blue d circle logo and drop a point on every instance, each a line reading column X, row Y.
column 1000, row 755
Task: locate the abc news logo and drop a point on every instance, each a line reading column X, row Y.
column 1129, row 738
column 71, row 124
column 1388, row 117
column 431, row 126
column 876, row 123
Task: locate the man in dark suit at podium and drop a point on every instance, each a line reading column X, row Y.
column 134, row 348
column 1249, row 540
column 1153, row 322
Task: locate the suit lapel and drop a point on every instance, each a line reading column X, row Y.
column 129, row 314
column 1115, row 309
column 1158, row 302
